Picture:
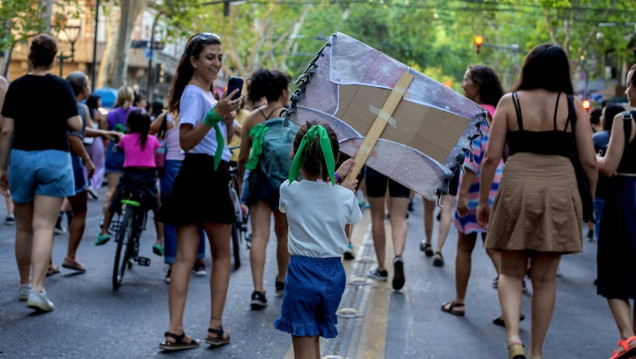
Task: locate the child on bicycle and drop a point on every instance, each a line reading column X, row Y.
column 139, row 175
column 317, row 212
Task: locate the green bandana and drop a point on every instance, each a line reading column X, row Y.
column 256, row 134
column 301, row 156
column 119, row 128
column 212, row 119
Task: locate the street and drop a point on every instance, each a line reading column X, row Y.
column 93, row 321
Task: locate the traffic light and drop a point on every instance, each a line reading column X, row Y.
column 161, row 74
column 478, row 40
column 586, row 104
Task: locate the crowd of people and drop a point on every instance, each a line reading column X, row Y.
column 519, row 190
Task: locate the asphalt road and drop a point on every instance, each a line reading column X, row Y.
column 93, row 321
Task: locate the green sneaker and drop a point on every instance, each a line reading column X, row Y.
column 102, row 239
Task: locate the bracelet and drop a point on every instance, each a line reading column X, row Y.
column 338, row 179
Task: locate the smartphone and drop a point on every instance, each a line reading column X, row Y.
column 232, row 84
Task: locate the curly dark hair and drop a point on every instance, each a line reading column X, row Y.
column 42, row 51
column 267, row 83
column 490, row 90
column 315, row 162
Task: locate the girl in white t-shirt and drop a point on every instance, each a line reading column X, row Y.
column 317, row 212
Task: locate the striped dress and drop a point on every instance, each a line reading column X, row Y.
column 468, row 224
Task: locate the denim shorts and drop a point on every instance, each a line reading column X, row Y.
column 114, row 162
column 81, row 181
column 313, row 290
column 43, row 172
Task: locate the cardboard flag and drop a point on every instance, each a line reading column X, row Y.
column 416, row 129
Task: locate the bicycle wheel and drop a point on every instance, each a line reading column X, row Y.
column 236, row 246
column 124, row 235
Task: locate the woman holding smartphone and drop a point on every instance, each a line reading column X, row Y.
column 200, row 198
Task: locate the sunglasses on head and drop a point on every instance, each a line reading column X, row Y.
column 206, row 36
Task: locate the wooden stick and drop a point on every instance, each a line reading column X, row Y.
column 380, row 123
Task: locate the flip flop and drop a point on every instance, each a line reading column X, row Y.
column 179, row 344
column 451, row 308
column 102, row 239
column 157, row 249
column 500, row 322
column 73, row 264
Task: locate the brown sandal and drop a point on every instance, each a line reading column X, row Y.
column 222, row 337
column 73, row 264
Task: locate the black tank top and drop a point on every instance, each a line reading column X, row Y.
column 553, row 142
column 628, row 161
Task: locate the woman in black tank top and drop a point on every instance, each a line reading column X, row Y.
column 617, row 237
column 537, row 213
column 261, row 198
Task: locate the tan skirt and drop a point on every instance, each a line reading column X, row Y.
column 537, row 207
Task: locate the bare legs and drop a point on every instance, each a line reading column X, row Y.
column 78, row 223
column 444, row 220
column 113, row 180
column 543, row 274
column 34, row 237
column 219, row 237
column 188, row 243
column 260, row 214
column 463, row 264
column 306, row 347
column 429, row 215
column 398, row 209
column 24, row 240
column 625, row 322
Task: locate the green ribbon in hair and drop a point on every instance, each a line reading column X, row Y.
column 256, row 134
column 212, row 119
column 301, row 155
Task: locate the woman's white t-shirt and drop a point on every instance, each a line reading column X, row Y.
column 195, row 104
column 317, row 213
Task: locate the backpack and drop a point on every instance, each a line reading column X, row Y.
column 275, row 160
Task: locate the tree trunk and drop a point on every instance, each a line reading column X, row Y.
column 46, row 15
column 130, row 9
column 111, row 18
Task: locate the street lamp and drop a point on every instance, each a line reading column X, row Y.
column 71, row 32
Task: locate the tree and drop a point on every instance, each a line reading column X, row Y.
column 22, row 19
column 118, row 71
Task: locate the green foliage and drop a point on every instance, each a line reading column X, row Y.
column 20, row 19
column 434, row 35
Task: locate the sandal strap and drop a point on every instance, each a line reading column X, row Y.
column 218, row 332
column 177, row 338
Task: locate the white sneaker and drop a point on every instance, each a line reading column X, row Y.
column 23, row 291
column 92, row 194
column 39, row 301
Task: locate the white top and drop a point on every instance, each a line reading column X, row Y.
column 317, row 213
column 195, row 104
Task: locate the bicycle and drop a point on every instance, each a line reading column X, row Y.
column 128, row 233
column 239, row 227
